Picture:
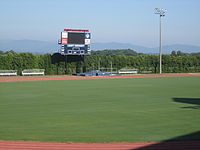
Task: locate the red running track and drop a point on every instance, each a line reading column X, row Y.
column 9, row 145
column 96, row 77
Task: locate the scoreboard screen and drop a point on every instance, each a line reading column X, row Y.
column 76, row 38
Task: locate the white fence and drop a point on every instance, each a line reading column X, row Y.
column 128, row 71
column 8, row 72
column 28, row 72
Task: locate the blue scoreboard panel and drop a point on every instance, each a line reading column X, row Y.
column 75, row 42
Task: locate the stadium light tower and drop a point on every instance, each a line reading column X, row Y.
column 161, row 12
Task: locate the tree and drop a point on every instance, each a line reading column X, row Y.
column 127, row 52
column 1, row 52
column 179, row 53
column 174, row 53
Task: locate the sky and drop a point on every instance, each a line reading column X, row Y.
column 124, row 21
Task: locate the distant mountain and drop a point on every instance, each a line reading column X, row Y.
column 140, row 49
column 32, row 46
column 115, row 45
column 41, row 47
column 181, row 47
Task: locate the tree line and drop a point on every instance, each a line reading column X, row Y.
column 56, row 63
column 108, row 52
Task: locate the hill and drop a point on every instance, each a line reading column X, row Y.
column 140, row 49
column 41, row 47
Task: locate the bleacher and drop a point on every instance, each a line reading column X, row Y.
column 128, row 71
column 8, row 72
column 29, row 72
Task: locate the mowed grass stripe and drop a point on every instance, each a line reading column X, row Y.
column 117, row 110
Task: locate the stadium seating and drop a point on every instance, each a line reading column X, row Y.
column 8, row 72
column 33, row 72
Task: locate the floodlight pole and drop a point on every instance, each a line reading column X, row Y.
column 161, row 12
column 160, row 49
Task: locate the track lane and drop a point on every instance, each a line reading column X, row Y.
column 96, row 77
column 11, row 145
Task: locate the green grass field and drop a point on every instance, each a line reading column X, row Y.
column 107, row 110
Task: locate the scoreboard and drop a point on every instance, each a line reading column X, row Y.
column 75, row 42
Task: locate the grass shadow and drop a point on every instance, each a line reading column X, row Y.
column 185, row 142
column 195, row 101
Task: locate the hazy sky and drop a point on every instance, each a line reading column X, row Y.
column 125, row 21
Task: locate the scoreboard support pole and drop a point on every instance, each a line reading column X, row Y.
column 57, row 68
column 84, row 63
column 65, row 64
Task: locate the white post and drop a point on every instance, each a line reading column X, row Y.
column 160, row 44
column 161, row 12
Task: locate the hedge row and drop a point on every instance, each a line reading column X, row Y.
column 55, row 64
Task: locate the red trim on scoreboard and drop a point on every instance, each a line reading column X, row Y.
column 76, row 30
